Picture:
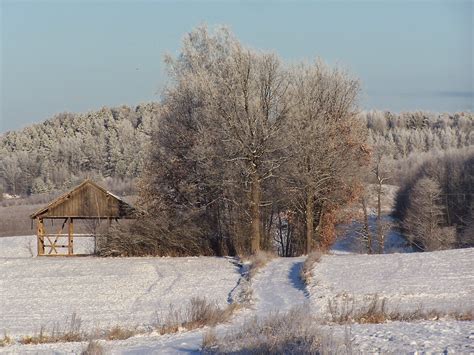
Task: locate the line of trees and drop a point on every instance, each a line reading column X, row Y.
column 244, row 137
column 56, row 154
column 112, row 142
column 401, row 144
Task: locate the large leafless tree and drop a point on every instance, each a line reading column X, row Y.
column 327, row 148
column 239, row 131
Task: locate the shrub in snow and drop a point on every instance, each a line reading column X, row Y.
column 198, row 313
column 294, row 332
column 308, row 265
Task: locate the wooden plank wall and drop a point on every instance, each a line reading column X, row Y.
column 87, row 201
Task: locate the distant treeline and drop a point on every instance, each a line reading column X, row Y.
column 413, row 132
column 402, row 138
column 431, row 158
column 61, row 151
column 112, row 142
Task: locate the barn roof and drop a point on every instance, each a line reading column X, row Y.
column 87, row 200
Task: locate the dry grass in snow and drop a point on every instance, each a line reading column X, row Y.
column 293, row 332
column 306, row 272
column 71, row 331
column 441, row 281
column 6, row 340
column 374, row 310
column 197, row 314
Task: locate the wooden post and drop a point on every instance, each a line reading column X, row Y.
column 70, row 248
column 40, row 236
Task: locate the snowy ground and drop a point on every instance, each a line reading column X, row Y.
column 432, row 337
column 104, row 292
column 441, row 281
column 277, row 288
column 130, row 290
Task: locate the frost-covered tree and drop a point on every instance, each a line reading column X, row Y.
column 424, row 217
column 326, row 146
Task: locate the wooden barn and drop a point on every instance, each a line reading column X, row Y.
column 88, row 201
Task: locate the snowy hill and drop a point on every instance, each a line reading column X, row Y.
column 103, row 292
column 129, row 292
column 437, row 282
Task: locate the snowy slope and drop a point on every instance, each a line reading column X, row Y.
column 276, row 288
column 349, row 240
column 441, row 280
column 103, row 292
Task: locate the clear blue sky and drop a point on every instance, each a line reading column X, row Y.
column 76, row 56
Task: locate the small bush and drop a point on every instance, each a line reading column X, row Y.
column 306, row 272
column 93, row 348
column 5, row 341
column 119, row 333
column 294, row 332
column 197, row 314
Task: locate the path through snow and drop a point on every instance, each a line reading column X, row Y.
column 277, row 287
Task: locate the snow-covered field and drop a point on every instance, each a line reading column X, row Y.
column 442, row 281
column 128, row 291
column 37, row 292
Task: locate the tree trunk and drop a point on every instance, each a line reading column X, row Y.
column 255, row 214
column 366, row 226
column 309, row 220
column 380, row 236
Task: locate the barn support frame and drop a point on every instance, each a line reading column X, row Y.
column 48, row 242
column 87, row 201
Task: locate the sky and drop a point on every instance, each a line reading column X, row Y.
column 78, row 56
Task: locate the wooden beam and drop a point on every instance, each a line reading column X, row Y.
column 70, row 250
column 40, row 236
column 51, row 245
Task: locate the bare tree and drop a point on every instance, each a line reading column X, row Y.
column 327, row 148
column 366, row 233
column 229, row 104
column 381, row 172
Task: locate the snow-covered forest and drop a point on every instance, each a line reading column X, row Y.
column 58, row 152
